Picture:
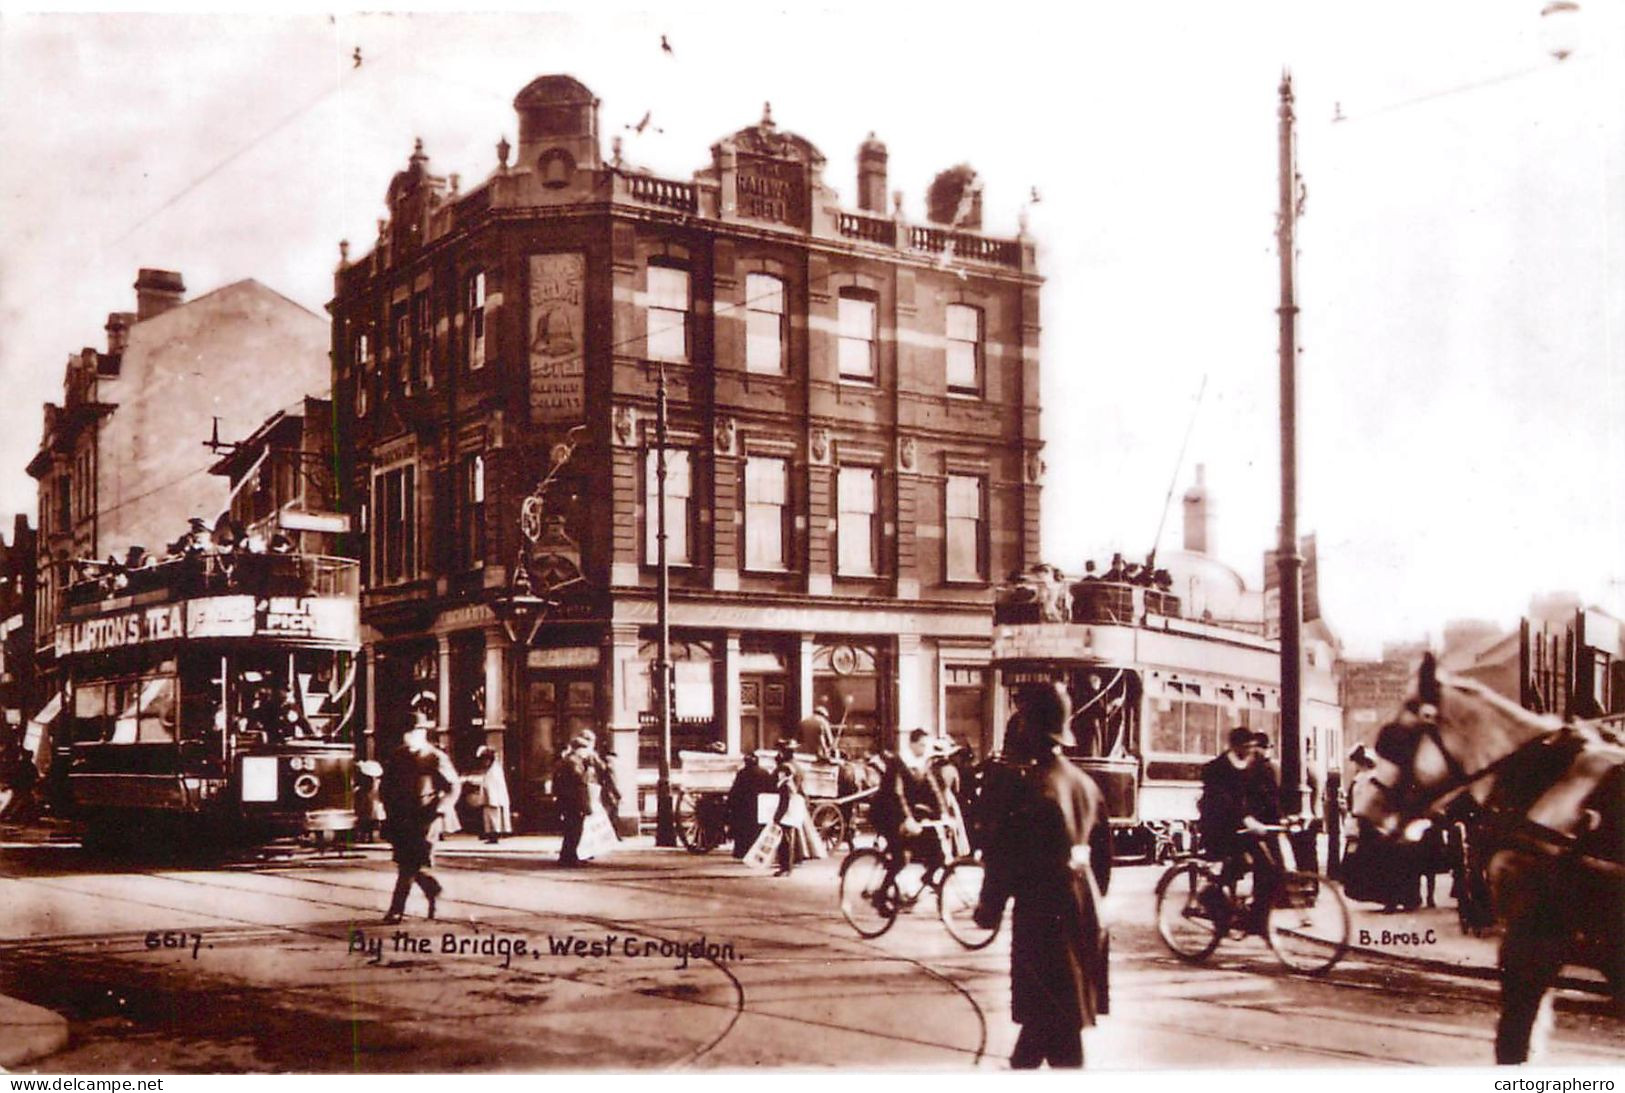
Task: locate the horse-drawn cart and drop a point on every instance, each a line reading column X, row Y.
column 703, row 779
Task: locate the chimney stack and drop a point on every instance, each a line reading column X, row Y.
column 872, row 158
column 1198, row 516
column 118, row 331
column 156, row 291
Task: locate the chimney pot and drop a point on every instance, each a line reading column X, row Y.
column 872, row 159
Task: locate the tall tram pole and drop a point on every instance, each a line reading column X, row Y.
column 1288, row 561
column 665, row 821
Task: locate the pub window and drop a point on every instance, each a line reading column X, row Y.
column 965, row 533
column 856, row 346
column 679, row 512
column 473, row 489
column 668, row 314
column 964, row 329
column 764, row 324
column 394, row 529
column 765, row 509
column 857, row 503
column 476, row 321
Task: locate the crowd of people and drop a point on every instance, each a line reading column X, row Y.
column 228, row 538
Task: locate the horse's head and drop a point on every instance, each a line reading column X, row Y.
column 1446, row 734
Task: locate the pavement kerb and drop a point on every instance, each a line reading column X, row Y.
column 29, row 1032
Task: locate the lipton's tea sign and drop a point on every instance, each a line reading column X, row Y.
column 121, row 630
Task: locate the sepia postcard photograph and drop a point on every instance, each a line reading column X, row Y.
column 932, row 538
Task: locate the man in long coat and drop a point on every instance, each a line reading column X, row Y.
column 1048, row 845
column 417, row 780
column 743, row 796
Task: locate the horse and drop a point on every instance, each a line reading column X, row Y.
column 1550, row 830
column 852, row 778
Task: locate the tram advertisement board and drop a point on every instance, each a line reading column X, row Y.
column 117, row 631
column 306, row 618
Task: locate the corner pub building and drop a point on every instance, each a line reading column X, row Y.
column 853, row 452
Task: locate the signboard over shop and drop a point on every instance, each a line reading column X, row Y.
column 304, row 618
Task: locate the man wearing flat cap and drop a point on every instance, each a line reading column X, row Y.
column 1048, row 845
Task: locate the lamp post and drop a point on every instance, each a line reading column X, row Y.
column 665, row 822
column 1288, row 560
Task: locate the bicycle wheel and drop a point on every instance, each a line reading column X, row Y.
column 869, row 897
column 830, row 824
column 1188, row 900
column 1308, row 925
column 690, row 831
column 957, row 898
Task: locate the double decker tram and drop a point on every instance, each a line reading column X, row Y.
column 210, row 698
column 1154, row 694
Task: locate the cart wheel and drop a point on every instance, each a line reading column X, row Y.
column 829, row 822
column 690, row 832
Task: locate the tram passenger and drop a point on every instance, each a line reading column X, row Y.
column 1241, row 794
column 1049, row 846
column 417, row 781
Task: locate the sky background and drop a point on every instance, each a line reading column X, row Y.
column 1462, row 270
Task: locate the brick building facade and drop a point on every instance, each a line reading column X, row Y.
column 121, row 460
column 853, row 453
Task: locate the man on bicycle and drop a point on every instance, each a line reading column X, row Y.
column 1240, row 797
column 910, row 792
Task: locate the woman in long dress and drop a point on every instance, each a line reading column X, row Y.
column 495, row 812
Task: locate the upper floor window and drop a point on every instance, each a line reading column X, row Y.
column 472, row 475
column 856, row 352
column 64, row 502
column 422, row 341
column 856, row 504
column 764, row 324
column 394, row 526
column 766, row 494
column 400, row 345
column 679, row 511
column 668, row 313
column 363, row 372
column 964, row 330
column 963, row 508
column 476, row 321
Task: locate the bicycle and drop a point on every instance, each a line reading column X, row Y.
column 1307, row 925
column 872, row 898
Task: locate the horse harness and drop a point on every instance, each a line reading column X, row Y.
column 1507, row 817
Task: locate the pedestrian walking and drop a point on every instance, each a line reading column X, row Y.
column 577, row 783
column 791, row 815
column 495, row 814
column 369, row 806
column 1049, row 846
column 417, row 781
column 743, row 797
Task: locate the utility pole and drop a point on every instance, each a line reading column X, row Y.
column 665, row 822
column 1288, row 560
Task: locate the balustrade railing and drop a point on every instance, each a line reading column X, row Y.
column 968, row 247
column 871, row 229
column 664, row 192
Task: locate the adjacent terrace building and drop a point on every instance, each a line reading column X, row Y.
column 853, row 446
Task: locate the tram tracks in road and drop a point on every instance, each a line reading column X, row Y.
column 117, row 945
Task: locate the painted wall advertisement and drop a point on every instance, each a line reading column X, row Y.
column 557, row 346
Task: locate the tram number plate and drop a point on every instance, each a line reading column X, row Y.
column 174, row 939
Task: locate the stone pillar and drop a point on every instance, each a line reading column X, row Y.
column 629, row 697
column 911, row 709
column 442, row 646
column 804, row 666
column 497, row 705
column 729, row 706
column 369, row 726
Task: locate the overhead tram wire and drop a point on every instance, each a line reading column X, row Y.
column 338, row 85
column 1341, row 118
column 1173, row 481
